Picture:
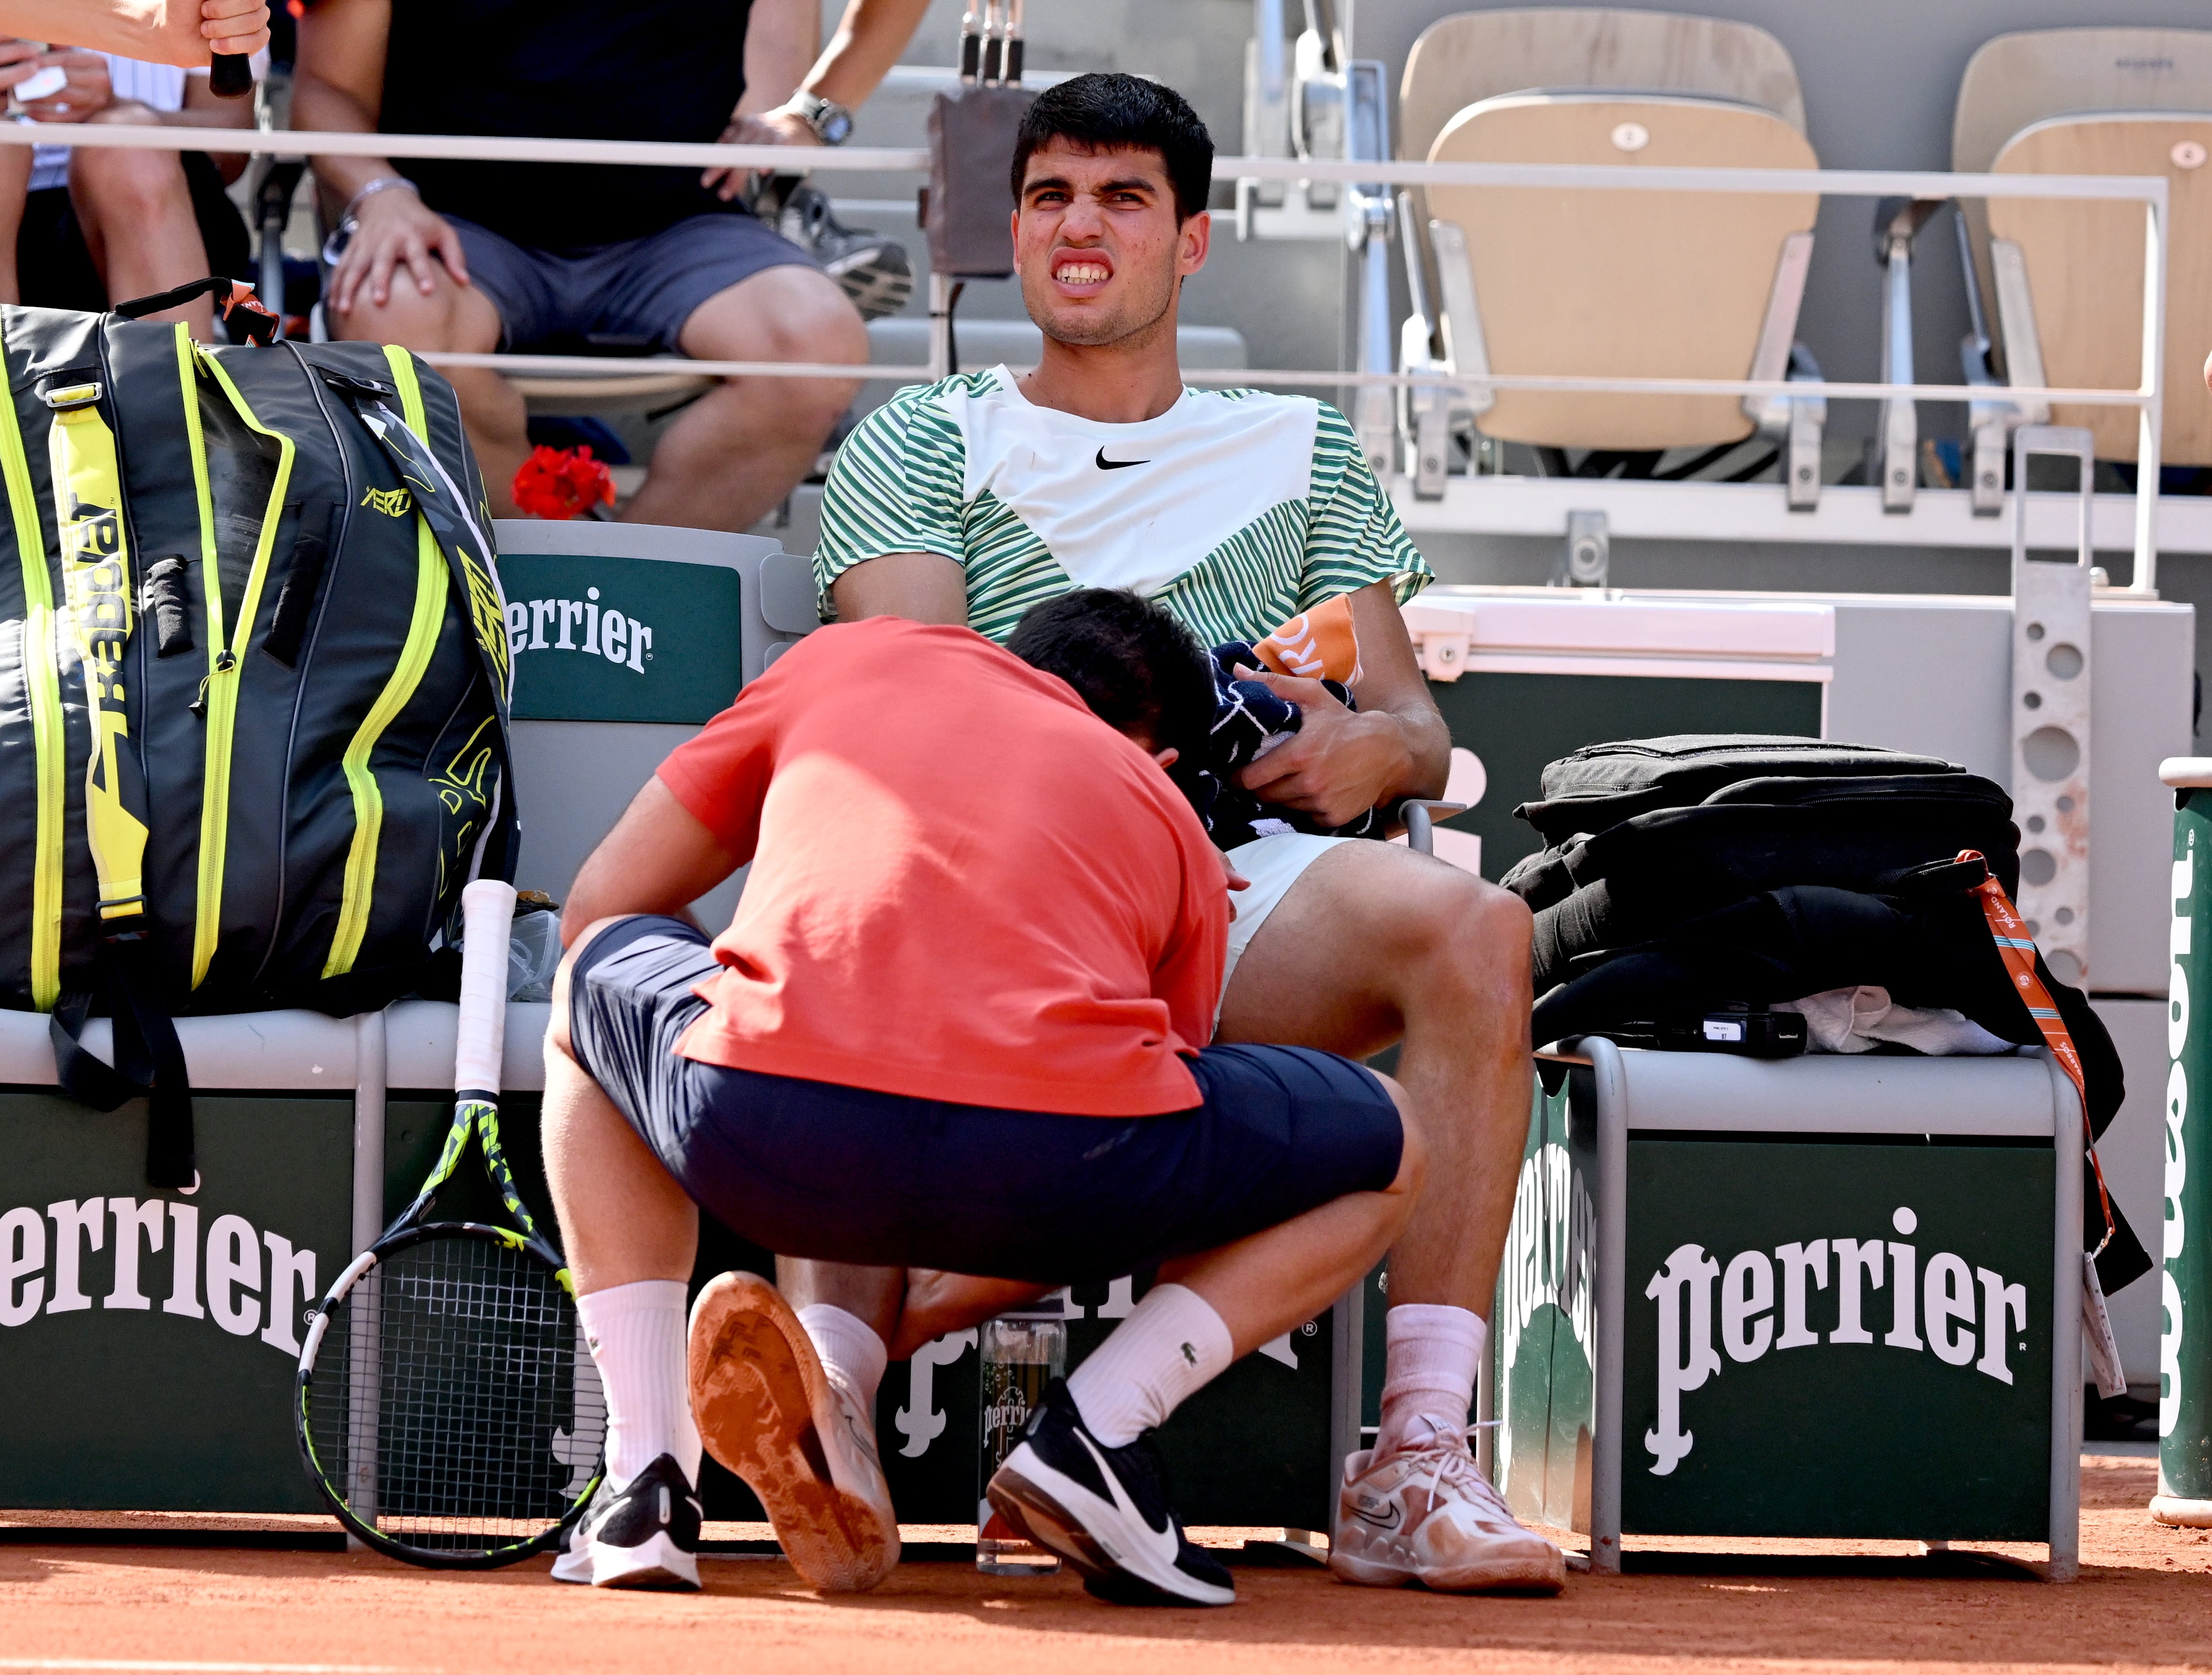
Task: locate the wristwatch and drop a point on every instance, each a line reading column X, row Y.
column 832, row 122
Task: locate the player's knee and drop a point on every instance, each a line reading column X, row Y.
column 133, row 186
column 1455, row 930
column 407, row 317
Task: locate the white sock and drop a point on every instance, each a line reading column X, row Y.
column 851, row 1353
column 1431, row 1352
column 1171, row 1344
column 637, row 1334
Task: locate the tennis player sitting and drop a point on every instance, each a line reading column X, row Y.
column 959, row 1023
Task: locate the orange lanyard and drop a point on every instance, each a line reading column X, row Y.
column 2017, row 949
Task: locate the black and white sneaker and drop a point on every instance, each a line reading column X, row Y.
column 1104, row 1510
column 646, row 1534
column 872, row 270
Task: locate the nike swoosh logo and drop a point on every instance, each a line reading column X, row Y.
column 1105, row 464
column 1364, row 1516
column 1160, row 1544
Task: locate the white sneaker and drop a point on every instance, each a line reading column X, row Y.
column 1426, row 1514
column 768, row 1411
column 644, row 1535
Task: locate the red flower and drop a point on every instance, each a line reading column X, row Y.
column 561, row 483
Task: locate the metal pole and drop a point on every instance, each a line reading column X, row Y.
column 1612, row 1311
column 2067, row 1142
column 2150, row 419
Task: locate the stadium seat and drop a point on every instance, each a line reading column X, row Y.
column 2067, row 276
column 1618, row 284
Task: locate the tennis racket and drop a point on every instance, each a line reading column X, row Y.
column 449, row 1409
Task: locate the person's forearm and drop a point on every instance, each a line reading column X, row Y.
column 1426, row 740
column 779, row 42
column 156, row 31
column 870, row 38
column 318, row 105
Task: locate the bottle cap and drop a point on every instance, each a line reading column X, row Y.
column 1053, row 1306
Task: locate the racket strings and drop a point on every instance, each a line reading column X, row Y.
column 454, row 1403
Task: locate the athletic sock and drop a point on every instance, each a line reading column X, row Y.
column 1171, row 1344
column 852, row 1355
column 637, row 1333
column 1432, row 1355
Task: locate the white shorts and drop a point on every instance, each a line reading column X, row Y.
column 1274, row 864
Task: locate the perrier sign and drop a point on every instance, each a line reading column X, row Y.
column 1836, row 1338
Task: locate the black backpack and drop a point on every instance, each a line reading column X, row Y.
column 253, row 738
column 1645, row 834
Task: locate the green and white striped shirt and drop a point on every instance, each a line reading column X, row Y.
column 1235, row 509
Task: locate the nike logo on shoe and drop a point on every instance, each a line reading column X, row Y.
column 1368, row 1511
column 1160, row 1544
column 1105, row 464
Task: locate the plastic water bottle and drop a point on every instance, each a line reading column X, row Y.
column 1024, row 1350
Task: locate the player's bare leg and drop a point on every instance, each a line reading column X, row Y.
column 631, row 1235
column 1373, row 945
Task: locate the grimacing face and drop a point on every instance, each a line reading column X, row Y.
column 1096, row 244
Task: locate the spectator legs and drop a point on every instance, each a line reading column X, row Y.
column 136, row 213
column 736, row 451
column 462, row 319
column 1374, row 944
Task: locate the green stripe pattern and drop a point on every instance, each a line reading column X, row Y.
column 896, row 487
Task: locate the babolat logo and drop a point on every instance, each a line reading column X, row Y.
column 1958, row 1306
column 223, row 1278
column 580, row 625
column 392, row 502
column 92, row 532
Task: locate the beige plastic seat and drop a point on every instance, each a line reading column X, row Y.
column 1615, row 283
column 2067, row 276
column 590, row 394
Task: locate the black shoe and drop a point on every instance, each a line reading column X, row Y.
column 871, row 270
column 645, row 1535
column 1104, row 1510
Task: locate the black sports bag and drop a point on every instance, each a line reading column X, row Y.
column 253, row 685
column 1653, row 832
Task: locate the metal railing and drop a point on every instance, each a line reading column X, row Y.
column 2146, row 398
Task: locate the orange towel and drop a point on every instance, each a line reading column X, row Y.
column 1320, row 644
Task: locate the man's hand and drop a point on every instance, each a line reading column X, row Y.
column 239, row 27
column 88, row 92
column 396, row 231
column 1340, row 763
column 780, row 126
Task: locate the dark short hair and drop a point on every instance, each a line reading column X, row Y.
column 1108, row 111
column 1133, row 663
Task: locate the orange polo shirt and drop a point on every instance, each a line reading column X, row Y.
column 964, row 886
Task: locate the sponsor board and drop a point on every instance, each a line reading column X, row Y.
column 620, row 639
column 1837, row 1338
column 148, row 1340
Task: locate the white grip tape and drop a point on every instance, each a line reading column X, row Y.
column 486, row 919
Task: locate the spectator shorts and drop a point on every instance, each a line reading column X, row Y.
column 638, row 293
column 847, row 1174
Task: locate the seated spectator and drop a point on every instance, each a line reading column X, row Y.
column 85, row 227
column 477, row 257
column 956, row 1021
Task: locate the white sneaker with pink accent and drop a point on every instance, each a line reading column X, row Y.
column 1426, row 1513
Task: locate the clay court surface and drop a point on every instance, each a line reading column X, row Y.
column 2144, row 1601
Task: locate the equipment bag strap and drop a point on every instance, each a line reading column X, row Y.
column 2017, row 949
column 444, row 509
column 97, row 591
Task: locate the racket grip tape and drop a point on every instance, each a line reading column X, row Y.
column 486, row 915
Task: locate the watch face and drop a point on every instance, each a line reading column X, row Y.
column 834, row 124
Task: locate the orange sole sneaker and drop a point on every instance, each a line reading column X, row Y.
column 766, row 1411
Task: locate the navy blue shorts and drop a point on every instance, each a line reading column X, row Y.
column 641, row 290
column 845, row 1174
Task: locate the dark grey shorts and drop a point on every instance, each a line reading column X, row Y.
column 848, row 1175
column 640, row 291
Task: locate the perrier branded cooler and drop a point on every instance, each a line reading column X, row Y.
column 1820, row 1297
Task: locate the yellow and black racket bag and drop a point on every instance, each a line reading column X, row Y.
column 253, row 685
